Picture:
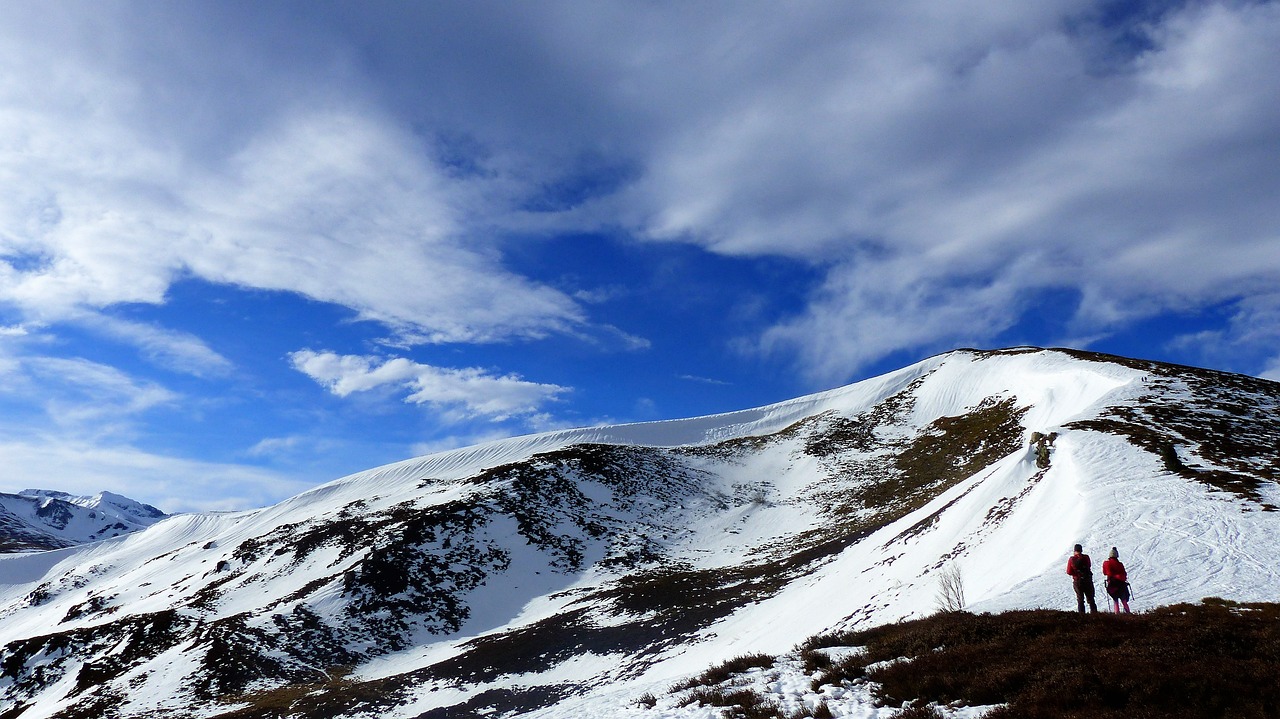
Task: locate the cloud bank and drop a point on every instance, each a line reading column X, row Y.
column 324, row 196
column 943, row 163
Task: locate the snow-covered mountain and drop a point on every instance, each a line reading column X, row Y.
column 566, row 574
column 36, row 519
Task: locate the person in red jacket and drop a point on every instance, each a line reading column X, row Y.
column 1080, row 567
column 1117, row 581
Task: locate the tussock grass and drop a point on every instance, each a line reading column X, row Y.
column 725, row 671
column 744, row 703
column 1214, row 659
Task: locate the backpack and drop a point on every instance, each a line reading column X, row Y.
column 1082, row 570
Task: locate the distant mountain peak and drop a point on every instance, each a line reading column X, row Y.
column 38, row 519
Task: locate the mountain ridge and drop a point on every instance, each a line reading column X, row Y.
column 570, row 571
column 42, row 519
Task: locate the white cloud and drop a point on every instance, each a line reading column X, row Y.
column 341, row 208
column 169, row 483
column 705, row 380
column 323, row 194
column 919, row 151
column 460, row 393
column 68, row 423
column 866, row 310
column 946, row 173
column 179, row 351
column 83, row 398
column 950, row 142
column 1272, row 371
column 331, row 205
column 1247, row 342
column 272, row 446
column 105, row 384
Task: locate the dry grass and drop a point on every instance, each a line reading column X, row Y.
column 742, row 703
column 723, row 672
column 1216, row 659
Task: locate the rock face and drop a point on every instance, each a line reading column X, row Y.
column 37, row 519
column 566, row 574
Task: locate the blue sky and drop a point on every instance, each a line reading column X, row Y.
column 246, row 248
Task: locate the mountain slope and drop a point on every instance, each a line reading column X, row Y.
column 565, row 574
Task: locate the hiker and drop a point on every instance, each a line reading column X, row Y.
column 1081, row 570
column 1117, row 581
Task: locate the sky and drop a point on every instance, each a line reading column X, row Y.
column 247, row 248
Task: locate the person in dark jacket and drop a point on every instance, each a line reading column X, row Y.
column 1117, row 581
column 1080, row 568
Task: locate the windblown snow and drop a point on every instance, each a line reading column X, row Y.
column 567, row 574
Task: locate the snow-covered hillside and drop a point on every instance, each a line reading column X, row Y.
column 36, row 519
column 566, row 574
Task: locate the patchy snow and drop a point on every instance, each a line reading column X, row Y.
column 785, row 686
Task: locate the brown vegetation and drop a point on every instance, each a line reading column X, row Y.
column 1213, row 659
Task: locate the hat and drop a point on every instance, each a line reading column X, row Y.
column 1114, row 554
column 1079, row 548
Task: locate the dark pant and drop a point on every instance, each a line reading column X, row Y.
column 1084, row 590
column 1118, row 589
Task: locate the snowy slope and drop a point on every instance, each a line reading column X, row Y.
column 37, row 519
column 565, row 574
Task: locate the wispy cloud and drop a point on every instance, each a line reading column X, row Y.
column 705, row 380
column 173, row 349
column 82, row 467
column 1252, row 332
column 79, row 396
column 1272, row 370
column 272, row 446
column 460, row 393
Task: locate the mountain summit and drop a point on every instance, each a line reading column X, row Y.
column 566, row 574
column 36, row 519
